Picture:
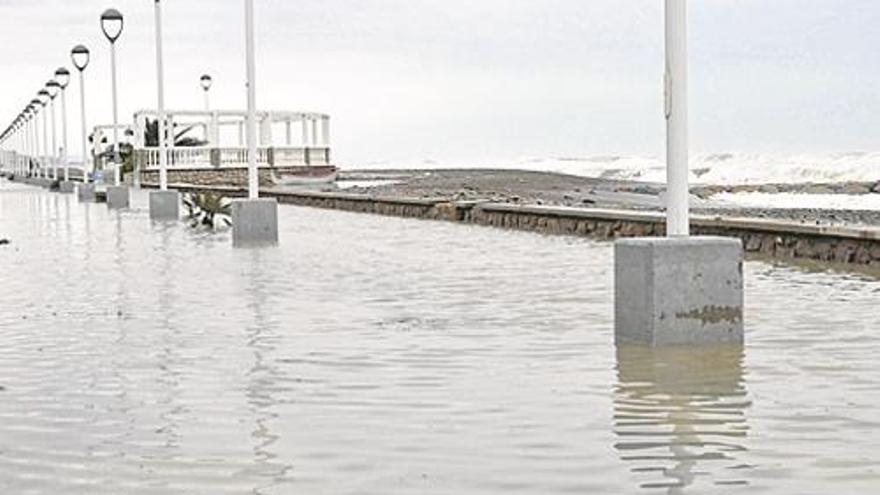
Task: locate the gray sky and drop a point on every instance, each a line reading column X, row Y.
column 477, row 79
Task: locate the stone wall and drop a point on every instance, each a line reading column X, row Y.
column 236, row 177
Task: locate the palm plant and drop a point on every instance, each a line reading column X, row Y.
column 207, row 209
column 181, row 140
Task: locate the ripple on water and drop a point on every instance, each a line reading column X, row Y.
column 383, row 355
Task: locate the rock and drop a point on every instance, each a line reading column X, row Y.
column 5, row 242
column 768, row 188
column 588, row 201
column 854, row 188
column 818, row 189
column 876, row 188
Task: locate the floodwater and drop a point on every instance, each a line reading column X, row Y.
column 375, row 355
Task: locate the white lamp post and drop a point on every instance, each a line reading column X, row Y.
column 164, row 204
column 112, row 23
column 29, row 137
column 676, row 104
column 53, row 88
column 254, row 220
column 62, row 75
column 80, row 57
column 43, row 96
column 670, row 291
column 206, row 82
column 118, row 195
column 160, row 84
column 253, row 173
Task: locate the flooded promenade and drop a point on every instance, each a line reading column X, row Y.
column 380, row 355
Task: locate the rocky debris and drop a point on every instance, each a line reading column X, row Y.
column 544, row 188
column 5, row 242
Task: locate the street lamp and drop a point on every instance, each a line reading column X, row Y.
column 53, row 88
column 702, row 274
column 80, row 57
column 62, row 76
column 254, row 220
column 205, row 81
column 253, row 173
column 112, row 23
column 35, row 131
column 43, row 96
column 164, row 204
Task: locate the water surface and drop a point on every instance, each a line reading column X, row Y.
column 375, row 355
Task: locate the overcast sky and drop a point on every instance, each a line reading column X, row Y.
column 477, row 79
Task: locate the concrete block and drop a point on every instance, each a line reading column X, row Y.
column 118, row 197
column 165, row 205
column 671, row 291
column 86, row 193
column 254, row 222
column 67, row 186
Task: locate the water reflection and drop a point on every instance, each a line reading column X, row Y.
column 680, row 416
column 264, row 380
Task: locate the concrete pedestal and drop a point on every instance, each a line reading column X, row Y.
column 67, row 186
column 671, row 291
column 254, row 222
column 118, row 197
column 165, row 206
column 86, row 193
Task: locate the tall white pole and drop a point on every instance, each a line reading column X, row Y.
column 160, row 75
column 676, row 88
column 37, row 163
column 87, row 160
column 45, row 142
column 207, row 100
column 54, row 155
column 29, row 144
column 64, row 134
column 253, row 177
column 116, row 158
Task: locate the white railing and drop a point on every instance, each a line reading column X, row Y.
column 207, row 157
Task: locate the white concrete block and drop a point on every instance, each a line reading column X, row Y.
column 671, row 291
column 86, row 193
column 165, row 205
column 118, row 197
column 254, row 222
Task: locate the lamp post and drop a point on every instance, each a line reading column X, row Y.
column 253, row 173
column 676, row 105
column 53, row 88
column 62, row 76
column 206, row 81
column 43, row 97
column 660, row 283
column 80, row 57
column 164, row 204
column 254, row 220
column 28, row 138
column 112, row 23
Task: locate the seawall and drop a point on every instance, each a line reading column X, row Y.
column 774, row 238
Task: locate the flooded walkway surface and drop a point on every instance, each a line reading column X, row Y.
column 374, row 355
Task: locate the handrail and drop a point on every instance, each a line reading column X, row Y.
column 233, row 157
